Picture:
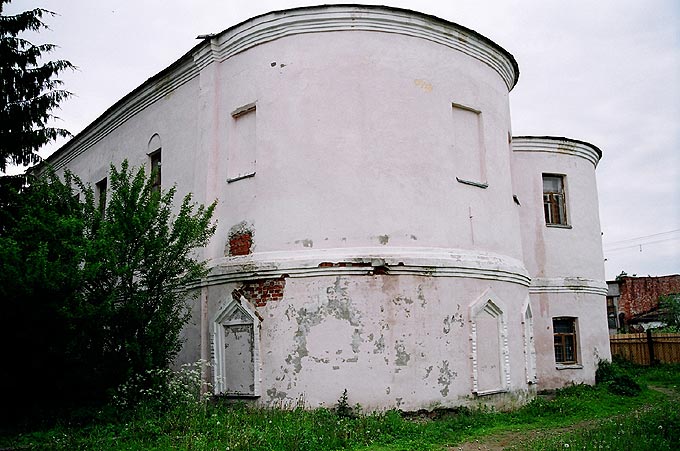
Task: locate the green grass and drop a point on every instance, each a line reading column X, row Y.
column 652, row 428
column 646, row 421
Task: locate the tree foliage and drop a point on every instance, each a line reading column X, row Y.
column 94, row 296
column 29, row 91
column 669, row 308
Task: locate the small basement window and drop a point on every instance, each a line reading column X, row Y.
column 564, row 332
column 554, row 204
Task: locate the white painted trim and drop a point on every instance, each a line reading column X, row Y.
column 435, row 262
column 557, row 145
column 280, row 24
column 148, row 93
column 529, row 345
column 333, row 18
column 492, row 304
column 568, row 285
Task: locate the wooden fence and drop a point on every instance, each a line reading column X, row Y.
column 647, row 348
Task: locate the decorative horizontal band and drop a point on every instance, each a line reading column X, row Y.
column 135, row 102
column 568, row 285
column 275, row 25
column 554, row 144
column 433, row 262
column 327, row 18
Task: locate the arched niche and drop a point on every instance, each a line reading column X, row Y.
column 489, row 337
column 236, row 349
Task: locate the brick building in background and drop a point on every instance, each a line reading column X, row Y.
column 629, row 298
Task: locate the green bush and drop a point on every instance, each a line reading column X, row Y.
column 623, row 384
column 606, row 371
column 617, row 378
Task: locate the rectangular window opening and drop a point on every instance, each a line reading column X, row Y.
column 554, row 202
column 564, row 332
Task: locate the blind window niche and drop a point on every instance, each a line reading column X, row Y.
column 469, row 152
column 242, row 143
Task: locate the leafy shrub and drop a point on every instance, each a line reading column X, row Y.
column 162, row 389
column 623, row 384
column 606, row 371
column 344, row 410
column 617, row 378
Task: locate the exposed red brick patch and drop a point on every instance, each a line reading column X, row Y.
column 240, row 243
column 640, row 295
column 259, row 292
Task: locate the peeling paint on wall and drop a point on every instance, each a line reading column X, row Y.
column 446, row 377
column 305, row 243
column 402, row 356
column 456, row 318
column 337, row 305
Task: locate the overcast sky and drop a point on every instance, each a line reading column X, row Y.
column 605, row 71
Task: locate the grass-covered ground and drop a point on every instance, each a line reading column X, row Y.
column 579, row 417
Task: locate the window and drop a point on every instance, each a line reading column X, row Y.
column 564, row 330
column 554, row 205
column 100, row 192
column 156, row 170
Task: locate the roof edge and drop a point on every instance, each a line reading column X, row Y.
column 572, row 146
column 190, row 63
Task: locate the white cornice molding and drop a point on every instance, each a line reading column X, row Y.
column 136, row 101
column 279, row 24
column 559, row 145
column 568, row 285
column 435, row 262
column 327, row 18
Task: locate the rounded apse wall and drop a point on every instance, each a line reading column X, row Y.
column 369, row 235
column 362, row 129
column 547, row 163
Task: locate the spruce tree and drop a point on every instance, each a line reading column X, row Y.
column 29, row 91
